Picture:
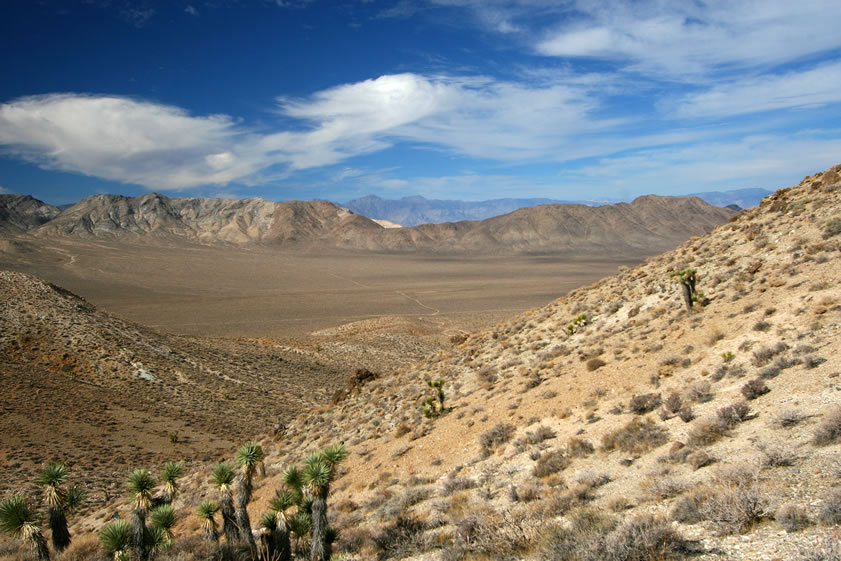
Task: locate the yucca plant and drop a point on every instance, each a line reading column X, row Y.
column 158, row 539
column 169, row 480
column 163, row 518
column 18, row 520
column 206, row 511
column 140, row 484
column 318, row 473
column 250, row 458
column 299, row 526
column 282, row 501
column 268, row 536
column 223, row 478
column 116, row 539
column 51, row 479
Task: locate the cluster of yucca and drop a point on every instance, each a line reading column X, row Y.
column 296, row 511
column 20, row 520
column 122, row 539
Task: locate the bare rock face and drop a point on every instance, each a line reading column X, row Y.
column 20, row 213
column 647, row 225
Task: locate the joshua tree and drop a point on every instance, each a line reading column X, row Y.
column 206, row 510
column 116, row 539
column 318, row 473
column 163, row 520
column 300, row 525
column 282, row 501
column 433, row 408
column 52, row 479
column 140, row 484
column 169, row 478
column 17, row 519
column 223, row 477
column 686, row 277
column 250, row 458
column 268, row 536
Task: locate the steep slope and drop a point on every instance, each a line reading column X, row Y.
column 723, row 422
column 83, row 385
column 19, row 213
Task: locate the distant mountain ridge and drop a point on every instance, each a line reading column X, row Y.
column 650, row 223
column 416, row 210
column 19, row 213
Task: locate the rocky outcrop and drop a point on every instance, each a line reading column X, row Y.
column 20, row 213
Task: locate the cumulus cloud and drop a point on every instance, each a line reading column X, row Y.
column 124, row 140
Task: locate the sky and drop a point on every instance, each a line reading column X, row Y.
column 452, row 99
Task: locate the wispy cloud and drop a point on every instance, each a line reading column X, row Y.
column 4, row 191
column 797, row 88
column 191, row 10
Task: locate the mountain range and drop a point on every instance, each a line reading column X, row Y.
column 415, row 210
column 649, row 223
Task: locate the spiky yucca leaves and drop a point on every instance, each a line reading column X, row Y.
column 116, row 539
column 206, row 511
column 318, row 473
column 294, row 482
column 158, row 539
column 73, row 499
column 223, row 478
column 282, row 501
column 51, row 479
column 300, row 525
column 17, row 519
column 268, row 535
column 163, row 517
column 140, row 484
column 169, row 479
column 250, row 458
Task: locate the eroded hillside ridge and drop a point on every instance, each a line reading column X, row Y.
column 645, row 226
column 19, row 213
column 615, row 408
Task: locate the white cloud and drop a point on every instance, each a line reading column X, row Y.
column 802, row 88
column 690, row 40
column 191, row 10
column 4, row 191
column 124, row 140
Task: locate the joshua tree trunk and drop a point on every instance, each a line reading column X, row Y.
column 39, row 545
column 211, row 533
column 243, row 520
column 58, row 527
column 229, row 519
column 687, row 296
column 318, row 550
column 138, row 534
column 282, row 545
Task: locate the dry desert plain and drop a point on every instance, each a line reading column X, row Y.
column 264, row 292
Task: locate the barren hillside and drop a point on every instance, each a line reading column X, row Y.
column 648, row 225
column 19, row 213
column 716, row 430
column 609, row 424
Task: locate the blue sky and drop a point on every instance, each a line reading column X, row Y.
column 469, row 99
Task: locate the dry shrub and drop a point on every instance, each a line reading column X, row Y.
column 637, row 437
column 82, row 548
column 755, row 388
column 641, row 404
column 699, row 459
column 496, row 436
column 706, row 431
column 699, row 392
column 687, row 508
column 595, row 536
column 455, row 484
column 736, row 501
column 732, row 415
column 402, row 538
column 493, row 534
column 830, row 513
column 551, row 462
column 540, row 434
column 664, row 485
column 595, row 364
column 829, row 431
column 792, row 517
column 579, row 448
column 789, row 418
column 673, row 403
